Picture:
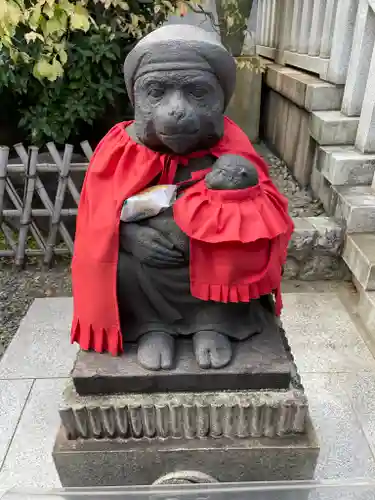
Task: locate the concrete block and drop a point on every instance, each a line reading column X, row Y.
column 359, row 254
column 29, row 463
column 293, row 86
column 41, row 347
column 184, row 415
column 305, row 151
column 333, row 127
column 329, row 235
column 322, row 335
column 13, row 396
column 344, row 451
column 355, row 208
column 115, row 462
column 323, row 96
column 344, row 165
column 304, row 90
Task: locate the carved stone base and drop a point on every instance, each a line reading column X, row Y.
column 240, row 414
column 122, row 425
column 117, row 462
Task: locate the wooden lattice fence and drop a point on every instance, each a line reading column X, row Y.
column 33, row 215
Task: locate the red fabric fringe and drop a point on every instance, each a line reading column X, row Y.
column 99, row 339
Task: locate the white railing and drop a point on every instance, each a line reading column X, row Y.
column 315, row 35
column 332, row 38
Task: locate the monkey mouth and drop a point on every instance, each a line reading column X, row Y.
column 177, row 135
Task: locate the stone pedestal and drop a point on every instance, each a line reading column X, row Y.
column 123, row 425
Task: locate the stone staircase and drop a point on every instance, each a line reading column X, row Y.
column 344, row 179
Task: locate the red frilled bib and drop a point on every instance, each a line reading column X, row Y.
column 238, row 242
column 238, row 238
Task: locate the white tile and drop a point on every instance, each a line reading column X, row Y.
column 41, row 348
column 29, row 460
column 344, row 451
column 13, row 396
column 322, row 335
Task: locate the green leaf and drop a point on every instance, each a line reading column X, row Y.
column 107, row 67
column 79, row 19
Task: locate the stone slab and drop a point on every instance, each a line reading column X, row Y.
column 29, row 462
column 344, row 165
column 304, row 90
column 344, row 451
column 260, row 362
column 115, row 462
column 359, row 254
column 41, row 348
column 13, row 397
column 322, row 335
column 355, row 207
column 178, row 415
column 333, row 127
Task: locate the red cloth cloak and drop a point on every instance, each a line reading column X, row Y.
column 233, row 223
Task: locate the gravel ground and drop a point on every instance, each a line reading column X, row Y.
column 301, row 201
column 18, row 289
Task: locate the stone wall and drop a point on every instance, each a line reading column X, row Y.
column 289, row 98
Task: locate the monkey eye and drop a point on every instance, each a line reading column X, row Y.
column 198, row 92
column 156, row 92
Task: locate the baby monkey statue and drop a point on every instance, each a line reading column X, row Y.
column 207, row 265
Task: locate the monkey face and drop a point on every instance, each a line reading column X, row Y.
column 178, row 110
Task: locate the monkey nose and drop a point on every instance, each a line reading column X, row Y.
column 177, row 113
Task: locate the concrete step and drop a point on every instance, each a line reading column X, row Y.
column 333, row 127
column 354, row 206
column 359, row 255
column 344, row 165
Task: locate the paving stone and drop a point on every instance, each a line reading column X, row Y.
column 344, row 165
column 355, row 207
column 359, row 254
column 13, row 396
column 41, row 348
column 29, row 461
column 360, row 388
column 322, row 336
column 333, row 127
column 344, row 451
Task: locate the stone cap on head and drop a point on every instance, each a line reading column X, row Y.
column 181, row 46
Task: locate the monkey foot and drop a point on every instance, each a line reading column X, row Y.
column 156, row 351
column 212, row 349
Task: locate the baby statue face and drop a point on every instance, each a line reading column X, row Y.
column 178, row 110
column 232, row 172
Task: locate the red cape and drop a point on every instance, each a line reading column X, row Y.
column 120, row 168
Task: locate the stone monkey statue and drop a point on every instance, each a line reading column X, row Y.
column 180, row 80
